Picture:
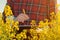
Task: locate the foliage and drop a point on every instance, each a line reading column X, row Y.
column 45, row 30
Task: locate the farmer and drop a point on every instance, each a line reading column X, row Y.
column 34, row 9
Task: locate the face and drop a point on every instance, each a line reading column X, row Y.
column 2, row 5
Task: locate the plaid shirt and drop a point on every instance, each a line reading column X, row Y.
column 36, row 9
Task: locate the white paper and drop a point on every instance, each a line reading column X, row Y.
column 2, row 5
column 58, row 1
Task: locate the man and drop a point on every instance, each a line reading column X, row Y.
column 35, row 9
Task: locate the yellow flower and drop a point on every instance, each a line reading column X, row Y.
column 57, row 5
column 17, row 28
column 16, row 23
column 41, row 24
column 52, row 13
column 33, row 22
column 1, row 15
column 8, row 11
column 58, row 16
column 2, row 23
column 46, row 22
column 14, row 39
column 12, row 22
column 25, row 30
column 12, row 35
column 1, row 32
column 7, row 7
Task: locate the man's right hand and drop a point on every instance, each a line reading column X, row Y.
column 22, row 17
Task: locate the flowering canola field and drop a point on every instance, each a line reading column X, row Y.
column 49, row 29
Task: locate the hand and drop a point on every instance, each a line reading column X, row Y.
column 22, row 17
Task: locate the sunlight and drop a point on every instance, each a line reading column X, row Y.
column 58, row 2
